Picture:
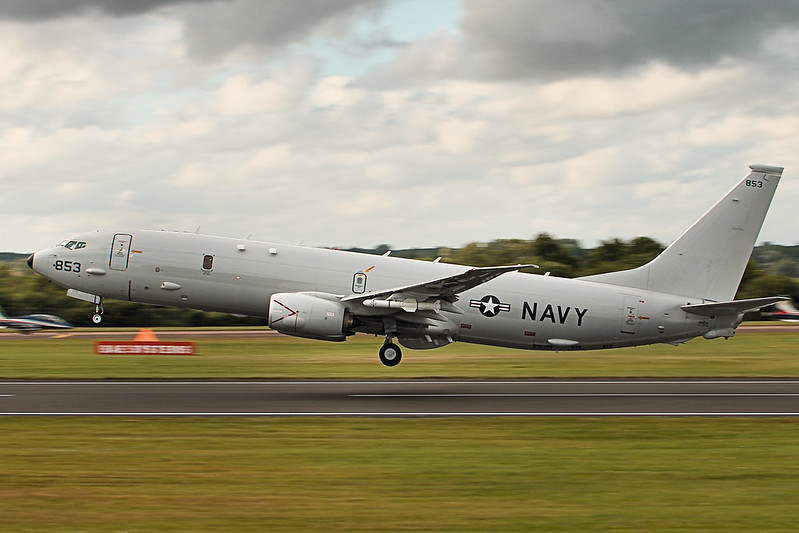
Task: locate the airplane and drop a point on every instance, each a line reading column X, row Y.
column 785, row 311
column 685, row 292
column 30, row 323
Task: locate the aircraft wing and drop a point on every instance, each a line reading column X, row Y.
column 732, row 307
column 443, row 291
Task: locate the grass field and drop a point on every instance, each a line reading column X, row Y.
column 398, row 474
column 450, row 474
column 761, row 355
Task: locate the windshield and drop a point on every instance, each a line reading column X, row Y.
column 73, row 245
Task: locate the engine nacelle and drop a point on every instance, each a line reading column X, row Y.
column 309, row 315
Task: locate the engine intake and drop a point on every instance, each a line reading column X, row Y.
column 310, row 316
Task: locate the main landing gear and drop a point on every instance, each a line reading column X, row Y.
column 390, row 353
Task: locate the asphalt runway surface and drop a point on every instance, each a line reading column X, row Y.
column 402, row 398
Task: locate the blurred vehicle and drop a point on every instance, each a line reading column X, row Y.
column 785, row 311
column 30, row 323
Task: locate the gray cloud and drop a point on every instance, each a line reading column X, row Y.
column 545, row 40
column 219, row 28
column 26, row 10
column 552, row 39
column 213, row 28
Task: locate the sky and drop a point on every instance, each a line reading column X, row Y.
column 411, row 123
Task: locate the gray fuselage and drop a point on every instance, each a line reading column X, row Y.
column 239, row 276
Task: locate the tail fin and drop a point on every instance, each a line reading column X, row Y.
column 708, row 260
column 2, row 313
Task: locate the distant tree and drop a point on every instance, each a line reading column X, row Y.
column 383, row 248
column 756, row 283
column 608, row 251
column 645, row 247
column 549, row 249
column 616, row 254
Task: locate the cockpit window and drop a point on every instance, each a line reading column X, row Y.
column 73, row 245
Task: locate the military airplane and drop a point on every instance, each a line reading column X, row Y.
column 29, row 323
column 685, row 292
column 785, row 311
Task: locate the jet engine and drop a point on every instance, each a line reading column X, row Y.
column 311, row 315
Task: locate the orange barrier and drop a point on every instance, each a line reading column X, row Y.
column 145, row 343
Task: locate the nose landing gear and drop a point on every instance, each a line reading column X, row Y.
column 97, row 317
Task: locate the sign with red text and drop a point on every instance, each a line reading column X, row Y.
column 144, row 348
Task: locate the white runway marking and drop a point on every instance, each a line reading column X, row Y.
column 578, row 395
column 411, row 414
column 415, row 382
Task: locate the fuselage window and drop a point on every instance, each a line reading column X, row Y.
column 208, row 262
column 359, row 283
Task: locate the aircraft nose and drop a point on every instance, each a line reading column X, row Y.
column 29, row 262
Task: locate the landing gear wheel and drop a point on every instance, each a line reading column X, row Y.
column 390, row 354
column 97, row 317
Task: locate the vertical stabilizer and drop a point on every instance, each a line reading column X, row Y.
column 708, row 260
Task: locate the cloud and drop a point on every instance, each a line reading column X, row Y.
column 551, row 39
column 470, row 131
column 217, row 29
column 25, row 10
column 214, row 28
column 276, row 91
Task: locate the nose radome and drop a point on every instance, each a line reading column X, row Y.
column 29, row 262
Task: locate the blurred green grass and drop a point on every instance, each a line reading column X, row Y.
column 453, row 474
column 753, row 355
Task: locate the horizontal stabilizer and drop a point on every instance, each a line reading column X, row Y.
column 732, row 307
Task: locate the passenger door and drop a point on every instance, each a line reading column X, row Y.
column 120, row 251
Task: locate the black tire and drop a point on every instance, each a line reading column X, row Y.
column 390, row 354
column 97, row 319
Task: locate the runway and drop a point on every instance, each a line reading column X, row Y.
column 408, row 398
